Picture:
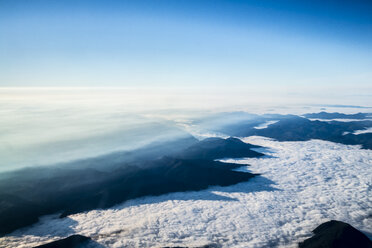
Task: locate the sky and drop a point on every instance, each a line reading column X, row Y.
column 222, row 44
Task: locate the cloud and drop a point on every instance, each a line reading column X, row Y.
column 199, row 133
column 265, row 125
column 366, row 130
column 314, row 181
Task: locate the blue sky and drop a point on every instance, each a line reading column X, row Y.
column 186, row 43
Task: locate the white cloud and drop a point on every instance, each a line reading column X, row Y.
column 198, row 133
column 265, row 124
column 367, row 130
column 313, row 181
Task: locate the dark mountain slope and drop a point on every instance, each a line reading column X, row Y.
column 217, row 148
column 155, row 178
column 336, row 234
column 73, row 241
column 295, row 128
column 325, row 115
column 31, row 193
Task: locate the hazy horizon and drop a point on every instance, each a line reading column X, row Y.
column 45, row 126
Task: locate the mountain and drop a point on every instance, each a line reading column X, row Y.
column 73, row 241
column 295, row 128
column 336, row 234
column 325, row 115
column 217, row 148
column 30, row 193
column 157, row 177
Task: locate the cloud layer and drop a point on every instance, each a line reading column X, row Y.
column 367, row 130
column 303, row 184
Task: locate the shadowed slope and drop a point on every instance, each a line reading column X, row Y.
column 31, row 193
column 336, row 234
column 325, row 115
column 217, row 148
column 155, row 178
column 73, row 241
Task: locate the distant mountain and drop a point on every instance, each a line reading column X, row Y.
column 73, row 241
column 154, row 150
column 325, row 115
column 295, row 128
column 336, row 234
column 242, row 128
column 217, row 148
column 157, row 177
column 31, row 193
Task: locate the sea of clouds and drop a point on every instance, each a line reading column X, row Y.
column 302, row 185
